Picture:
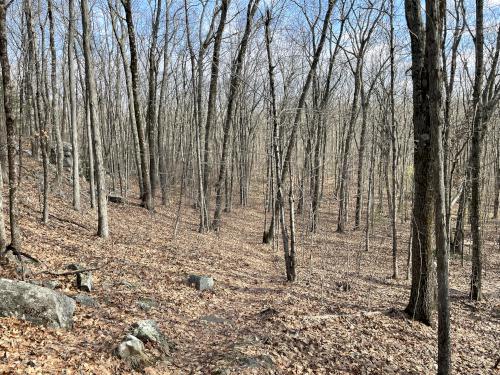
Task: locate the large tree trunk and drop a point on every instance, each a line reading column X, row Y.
column 3, row 236
column 151, row 111
column 54, row 104
column 421, row 303
column 212, row 97
column 102, row 209
column 10, row 125
column 435, row 10
column 280, row 209
column 72, row 109
column 146, row 196
column 476, row 148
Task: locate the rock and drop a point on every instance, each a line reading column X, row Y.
column 130, row 347
column 343, row 286
column 148, row 331
column 51, row 284
column 68, row 154
column 116, row 199
column 146, row 304
column 84, row 281
column 201, row 282
column 85, row 300
column 36, row 304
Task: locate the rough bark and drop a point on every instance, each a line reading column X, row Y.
column 72, row 109
column 421, row 303
column 146, row 196
column 102, row 209
column 10, row 125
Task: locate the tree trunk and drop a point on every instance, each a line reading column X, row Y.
column 10, row 125
column 421, row 303
column 234, row 87
column 102, row 209
column 54, row 105
column 146, row 196
column 3, row 236
column 212, row 96
column 435, row 10
column 72, row 109
column 475, row 167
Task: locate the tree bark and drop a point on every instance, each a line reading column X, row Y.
column 421, row 303
column 476, row 149
column 146, row 196
column 10, row 125
column 435, row 10
column 72, row 109
column 102, row 209
column 233, row 90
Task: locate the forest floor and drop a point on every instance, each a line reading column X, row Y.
column 253, row 321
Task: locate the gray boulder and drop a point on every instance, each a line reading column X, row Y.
column 84, row 281
column 147, row 304
column 85, row 300
column 68, row 154
column 148, row 331
column 36, row 304
column 201, row 282
column 114, row 198
column 130, row 347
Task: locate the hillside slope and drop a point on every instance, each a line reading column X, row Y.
column 343, row 316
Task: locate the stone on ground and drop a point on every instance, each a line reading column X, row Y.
column 114, row 198
column 201, row 282
column 84, row 281
column 148, row 331
column 85, row 300
column 36, row 304
column 132, row 350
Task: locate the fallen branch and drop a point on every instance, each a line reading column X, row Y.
column 72, row 272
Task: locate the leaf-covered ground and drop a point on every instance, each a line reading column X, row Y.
column 343, row 316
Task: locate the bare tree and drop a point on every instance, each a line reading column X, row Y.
column 435, row 10
column 10, row 124
column 234, row 85
column 102, row 209
column 72, row 108
column 421, row 303
column 146, row 196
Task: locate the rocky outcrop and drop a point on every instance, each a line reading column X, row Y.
column 36, row 304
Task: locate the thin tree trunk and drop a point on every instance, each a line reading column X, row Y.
column 54, row 105
column 146, row 197
column 72, row 108
column 212, row 96
column 476, row 149
column 435, row 10
column 102, row 209
column 234, row 87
